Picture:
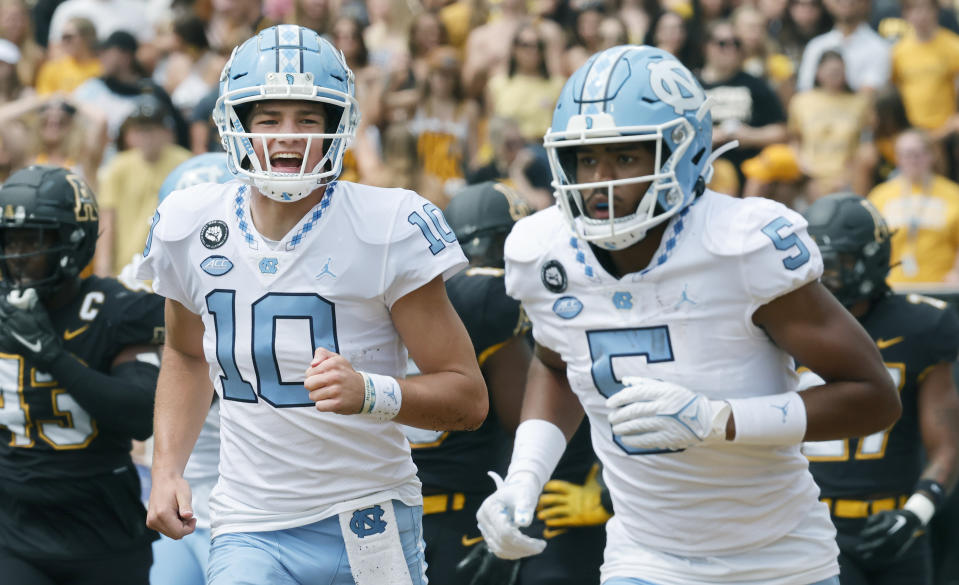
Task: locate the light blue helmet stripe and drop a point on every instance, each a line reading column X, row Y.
column 289, row 60
column 596, row 84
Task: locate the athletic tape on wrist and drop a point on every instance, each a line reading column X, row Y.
column 537, row 448
column 776, row 419
column 382, row 396
column 921, row 506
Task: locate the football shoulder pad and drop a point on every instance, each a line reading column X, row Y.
column 533, row 236
column 738, row 227
column 380, row 215
column 184, row 212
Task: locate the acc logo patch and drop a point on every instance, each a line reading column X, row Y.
column 554, row 276
column 567, row 307
column 216, row 265
column 214, row 234
column 674, row 84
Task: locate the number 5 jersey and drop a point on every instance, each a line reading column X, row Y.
column 686, row 319
column 266, row 306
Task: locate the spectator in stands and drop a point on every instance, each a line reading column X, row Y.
column 760, row 55
column 116, row 92
column 925, row 69
column 866, row 53
column 11, row 87
column 110, row 16
column 516, row 163
column 12, row 149
column 78, row 63
column 923, row 210
column 130, row 182
column 232, row 21
column 826, row 125
column 315, row 14
column 744, row 107
column 445, row 125
column 16, row 27
column 876, row 159
column 427, row 32
column 487, row 54
column 584, row 39
column 526, row 92
column 670, row 32
column 802, row 21
column 192, row 68
column 58, row 132
column 347, row 36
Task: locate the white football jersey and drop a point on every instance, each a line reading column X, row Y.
column 685, row 319
column 266, row 306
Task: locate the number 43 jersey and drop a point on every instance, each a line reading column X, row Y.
column 686, row 319
column 266, row 306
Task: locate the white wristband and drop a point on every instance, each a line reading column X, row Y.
column 776, row 419
column 537, row 448
column 382, row 396
column 921, row 506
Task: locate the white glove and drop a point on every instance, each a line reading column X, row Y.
column 653, row 414
column 510, row 507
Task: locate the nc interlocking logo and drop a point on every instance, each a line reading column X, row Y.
column 368, row 521
column 268, row 265
column 674, row 84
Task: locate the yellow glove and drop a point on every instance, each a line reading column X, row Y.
column 566, row 504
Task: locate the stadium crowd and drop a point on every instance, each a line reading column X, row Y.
column 822, row 96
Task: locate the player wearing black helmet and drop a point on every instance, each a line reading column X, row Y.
column 880, row 496
column 78, row 367
column 453, row 466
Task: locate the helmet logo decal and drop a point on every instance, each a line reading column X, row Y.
column 881, row 230
column 289, row 79
column 518, row 208
column 84, row 207
column 214, row 234
column 673, row 84
column 554, row 276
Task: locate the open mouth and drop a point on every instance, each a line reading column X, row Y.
column 286, row 162
column 597, row 207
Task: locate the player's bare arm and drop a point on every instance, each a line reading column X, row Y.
column 182, row 401
column 939, row 425
column 503, row 371
column 859, row 397
column 450, row 393
column 548, row 395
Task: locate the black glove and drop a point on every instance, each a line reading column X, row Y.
column 25, row 329
column 887, row 535
column 481, row 567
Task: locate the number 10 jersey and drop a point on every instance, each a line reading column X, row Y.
column 266, row 306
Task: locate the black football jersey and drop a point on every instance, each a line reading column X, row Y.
column 44, row 432
column 458, row 460
column 913, row 333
